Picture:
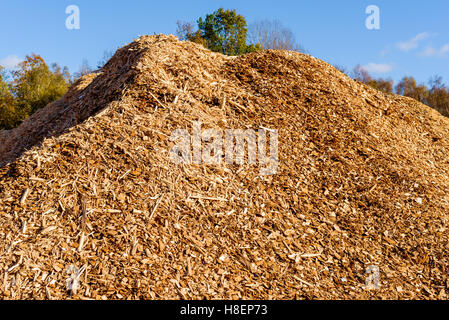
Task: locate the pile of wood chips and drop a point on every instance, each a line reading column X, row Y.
column 91, row 207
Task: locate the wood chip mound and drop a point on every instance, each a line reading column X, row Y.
column 91, row 207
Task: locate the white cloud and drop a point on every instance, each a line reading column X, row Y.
column 414, row 42
column 378, row 67
column 432, row 52
column 10, row 62
column 385, row 51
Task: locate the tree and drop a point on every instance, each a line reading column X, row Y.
column 85, row 69
column 64, row 72
column 107, row 55
column 224, row 31
column 341, row 68
column 8, row 112
column 408, row 87
column 360, row 74
column 254, row 48
column 34, row 85
column 185, row 32
column 384, row 85
column 438, row 97
column 436, row 83
column 273, row 35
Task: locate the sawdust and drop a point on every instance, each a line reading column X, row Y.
column 92, row 207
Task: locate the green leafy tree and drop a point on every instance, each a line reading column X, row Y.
column 8, row 113
column 34, row 85
column 254, row 48
column 225, row 31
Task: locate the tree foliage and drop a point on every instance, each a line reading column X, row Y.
column 384, row 85
column 222, row 31
column 8, row 114
column 409, row 88
column 225, row 31
column 33, row 85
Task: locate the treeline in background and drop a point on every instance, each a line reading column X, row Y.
column 435, row 94
column 34, row 84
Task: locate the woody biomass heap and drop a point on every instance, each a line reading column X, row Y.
column 92, row 207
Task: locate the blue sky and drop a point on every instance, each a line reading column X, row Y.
column 412, row 39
